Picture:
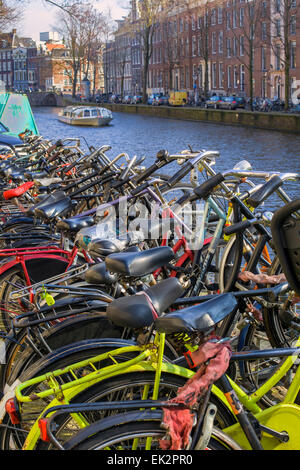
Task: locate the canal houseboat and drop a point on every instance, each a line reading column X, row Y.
column 85, row 116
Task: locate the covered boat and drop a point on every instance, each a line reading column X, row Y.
column 85, row 116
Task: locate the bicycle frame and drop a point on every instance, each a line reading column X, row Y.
column 150, row 358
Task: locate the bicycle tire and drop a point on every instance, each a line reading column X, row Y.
column 14, row 435
column 86, row 326
column 142, row 430
column 8, row 280
column 279, row 334
column 131, row 385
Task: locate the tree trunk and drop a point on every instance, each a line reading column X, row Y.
column 206, row 81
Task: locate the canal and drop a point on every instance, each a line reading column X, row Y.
column 144, row 136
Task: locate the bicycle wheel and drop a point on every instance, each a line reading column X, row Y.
column 279, row 332
column 20, row 355
column 254, row 373
column 13, row 437
column 14, row 278
column 133, row 435
column 130, row 386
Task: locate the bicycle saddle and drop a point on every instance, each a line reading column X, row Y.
column 55, row 209
column 141, row 263
column 105, row 247
column 74, row 224
column 98, row 274
column 47, row 199
column 201, row 317
column 140, row 310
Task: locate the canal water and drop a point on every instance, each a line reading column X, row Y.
column 145, row 136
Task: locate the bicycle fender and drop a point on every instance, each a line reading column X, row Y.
column 38, row 271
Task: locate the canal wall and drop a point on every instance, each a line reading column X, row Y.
column 282, row 122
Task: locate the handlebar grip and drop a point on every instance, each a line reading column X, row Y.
column 204, row 190
column 140, row 189
column 53, row 157
column 69, row 167
column 147, row 173
column 118, row 184
column 235, row 228
column 264, row 191
column 186, row 168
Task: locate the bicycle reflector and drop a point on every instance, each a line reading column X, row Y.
column 12, row 409
column 43, row 429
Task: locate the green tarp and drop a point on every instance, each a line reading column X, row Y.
column 16, row 113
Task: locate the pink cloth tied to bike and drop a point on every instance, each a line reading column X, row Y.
column 213, row 359
column 16, row 192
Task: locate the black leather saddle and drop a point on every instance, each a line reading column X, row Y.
column 201, row 317
column 55, row 209
column 98, row 274
column 141, row 263
column 45, row 200
column 104, row 247
column 140, row 310
column 74, row 224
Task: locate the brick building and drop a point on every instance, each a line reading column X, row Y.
column 217, row 46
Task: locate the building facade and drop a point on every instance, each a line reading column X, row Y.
column 233, row 46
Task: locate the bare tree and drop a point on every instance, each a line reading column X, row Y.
column 245, row 31
column 150, row 14
column 11, row 12
column 203, row 42
column 82, row 28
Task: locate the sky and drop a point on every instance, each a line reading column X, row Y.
column 40, row 16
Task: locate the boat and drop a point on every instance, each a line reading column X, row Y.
column 85, row 116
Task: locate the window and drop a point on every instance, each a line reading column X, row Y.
column 229, row 76
column 199, row 46
column 181, row 25
column 234, row 46
column 187, row 48
column 213, row 43
column 242, row 14
column 214, row 75
column 242, row 78
column 242, row 47
column 264, row 9
column 277, row 6
column 228, row 20
column 187, row 77
column 277, row 58
column 220, row 15
column 234, row 17
column 228, row 47
column 194, row 44
column 221, row 75
column 235, row 76
column 193, row 23
column 277, row 27
column 293, row 24
column 213, row 16
column 264, row 31
column 221, row 42
column 293, row 54
column 263, row 87
column 199, row 22
column 263, row 58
